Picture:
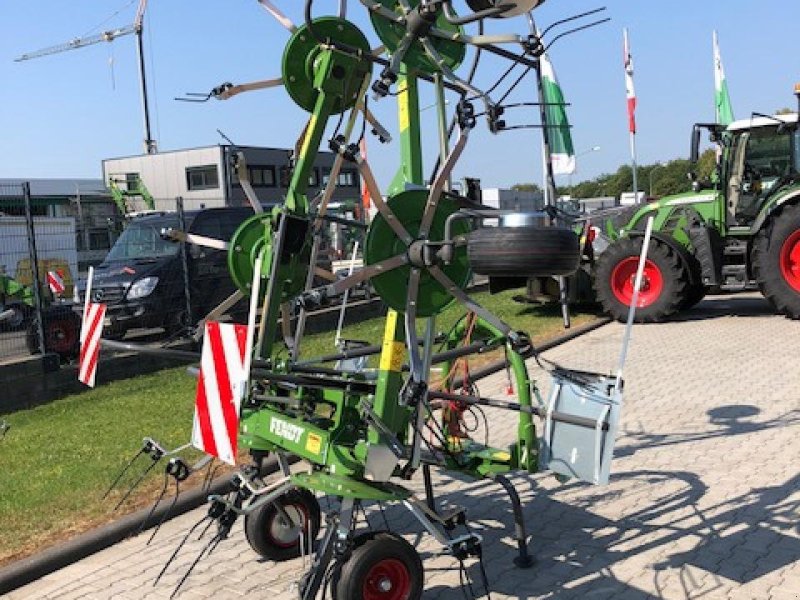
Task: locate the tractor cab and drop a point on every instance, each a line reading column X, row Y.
column 760, row 158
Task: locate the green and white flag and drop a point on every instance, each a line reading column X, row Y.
column 562, row 153
column 722, row 100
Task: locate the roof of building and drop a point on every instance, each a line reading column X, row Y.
column 60, row 187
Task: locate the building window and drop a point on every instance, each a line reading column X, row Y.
column 202, row 178
column 348, row 179
column 313, row 179
column 326, row 176
column 262, row 176
column 286, row 176
column 131, row 181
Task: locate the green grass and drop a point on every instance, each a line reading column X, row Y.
column 57, row 460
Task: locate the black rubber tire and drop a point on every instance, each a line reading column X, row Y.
column 523, row 251
column 259, row 523
column 385, row 555
column 673, row 274
column 766, row 261
column 693, row 293
column 61, row 334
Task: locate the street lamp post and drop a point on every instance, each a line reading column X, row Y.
column 579, row 154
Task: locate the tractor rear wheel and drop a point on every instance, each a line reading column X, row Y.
column 776, row 261
column 664, row 280
column 382, row 566
column 271, row 536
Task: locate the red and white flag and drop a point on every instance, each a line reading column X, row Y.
column 56, row 282
column 91, row 330
column 630, row 92
column 219, row 390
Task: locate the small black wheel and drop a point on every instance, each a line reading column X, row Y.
column 523, row 251
column 382, row 566
column 272, row 537
column 776, row 261
column 664, row 280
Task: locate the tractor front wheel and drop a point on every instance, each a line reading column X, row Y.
column 664, row 281
column 383, row 566
column 776, row 261
column 274, row 537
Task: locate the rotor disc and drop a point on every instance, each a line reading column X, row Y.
column 383, row 243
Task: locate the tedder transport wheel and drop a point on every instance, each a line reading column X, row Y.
column 383, row 566
column 663, row 284
column 523, row 251
column 272, row 537
column 776, row 261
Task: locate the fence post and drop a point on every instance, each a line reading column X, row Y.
column 33, row 257
column 184, row 262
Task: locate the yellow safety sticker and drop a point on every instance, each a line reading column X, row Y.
column 393, row 352
column 402, row 106
column 314, row 443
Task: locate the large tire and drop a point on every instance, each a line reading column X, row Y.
column 693, row 293
column 664, row 283
column 383, row 566
column 776, row 261
column 274, row 539
column 61, row 334
column 523, row 251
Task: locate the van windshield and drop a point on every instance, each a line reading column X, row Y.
column 143, row 240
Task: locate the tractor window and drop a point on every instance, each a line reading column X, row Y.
column 760, row 157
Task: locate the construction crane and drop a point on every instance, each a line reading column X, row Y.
column 137, row 28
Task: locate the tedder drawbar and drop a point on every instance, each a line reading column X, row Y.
column 363, row 431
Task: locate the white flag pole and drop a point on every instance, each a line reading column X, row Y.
column 87, row 295
column 637, row 283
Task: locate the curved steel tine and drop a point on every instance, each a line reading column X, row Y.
column 377, row 199
column 214, row 539
column 121, row 473
column 153, row 508
column 137, row 482
column 167, row 512
column 471, row 304
column 178, row 549
column 441, row 178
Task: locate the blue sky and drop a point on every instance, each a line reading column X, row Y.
column 62, row 114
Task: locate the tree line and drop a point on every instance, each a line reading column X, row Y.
column 656, row 180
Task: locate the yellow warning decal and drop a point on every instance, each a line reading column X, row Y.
column 393, row 352
column 314, row 443
column 402, row 106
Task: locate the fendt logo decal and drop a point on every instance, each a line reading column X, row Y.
column 286, row 430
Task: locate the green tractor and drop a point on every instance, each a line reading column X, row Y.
column 739, row 232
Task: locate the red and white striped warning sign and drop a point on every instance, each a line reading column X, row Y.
column 219, row 390
column 56, row 282
column 91, row 330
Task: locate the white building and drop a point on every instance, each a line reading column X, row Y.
column 206, row 178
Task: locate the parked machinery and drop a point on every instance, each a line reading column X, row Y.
column 364, row 431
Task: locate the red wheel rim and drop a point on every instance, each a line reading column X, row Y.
column 282, row 534
column 388, row 579
column 790, row 261
column 622, row 280
column 61, row 336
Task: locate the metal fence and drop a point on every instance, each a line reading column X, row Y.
column 38, row 270
column 155, row 288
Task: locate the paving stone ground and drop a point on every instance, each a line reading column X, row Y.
column 704, row 500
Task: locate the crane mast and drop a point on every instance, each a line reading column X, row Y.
column 136, row 28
